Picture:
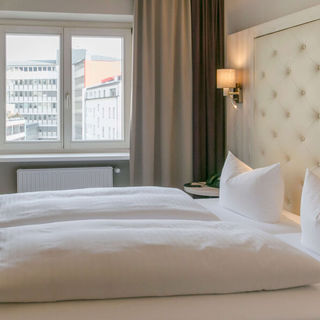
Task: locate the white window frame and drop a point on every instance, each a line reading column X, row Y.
column 98, row 145
column 11, row 146
column 66, row 144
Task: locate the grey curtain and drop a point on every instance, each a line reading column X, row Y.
column 208, row 105
column 161, row 136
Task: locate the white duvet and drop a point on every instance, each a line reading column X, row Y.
column 69, row 245
column 99, row 203
column 99, row 259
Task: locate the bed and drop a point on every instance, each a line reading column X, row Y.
column 297, row 303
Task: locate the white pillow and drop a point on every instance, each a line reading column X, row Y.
column 310, row 212
column 254, row 193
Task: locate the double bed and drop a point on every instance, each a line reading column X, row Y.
column 295, row 303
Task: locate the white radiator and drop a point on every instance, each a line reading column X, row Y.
column 29, row 180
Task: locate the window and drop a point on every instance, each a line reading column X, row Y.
column 56, row 80
column 98, row 60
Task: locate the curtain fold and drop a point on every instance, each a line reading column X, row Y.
column 207, row 19
column 161, row 123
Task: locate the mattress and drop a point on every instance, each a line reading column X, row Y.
column 296, row 303
column 299, row 303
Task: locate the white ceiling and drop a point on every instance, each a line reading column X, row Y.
column 242, row 14
column 118, row 7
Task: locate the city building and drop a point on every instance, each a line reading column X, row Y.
column 32, row 94
column 102, row 110
column 32, row 91
column 15, row 128
column 88, row 71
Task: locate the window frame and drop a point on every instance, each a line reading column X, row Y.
column 27, row 146
column 65, row 144
column 98, row 145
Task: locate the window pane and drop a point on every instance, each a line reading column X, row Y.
column 32, row 87
column 97, row 110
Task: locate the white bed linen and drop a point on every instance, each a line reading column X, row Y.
column 288, row 229
column 103, row 259
column 294, row 239
column 289, row 304
column 297, row 303
column 99, row 203
column 310, row 213
column 288, row 223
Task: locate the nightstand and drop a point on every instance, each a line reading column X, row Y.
column 201, row 190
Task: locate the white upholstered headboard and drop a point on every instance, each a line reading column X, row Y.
column 281, row 120
column 287, row 104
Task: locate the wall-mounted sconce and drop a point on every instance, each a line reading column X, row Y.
column 226, row 80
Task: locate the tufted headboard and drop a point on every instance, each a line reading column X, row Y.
column 286, row 117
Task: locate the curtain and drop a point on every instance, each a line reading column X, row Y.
column 207, row 18
column 161, row 123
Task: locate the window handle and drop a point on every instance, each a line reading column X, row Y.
column 68, row 100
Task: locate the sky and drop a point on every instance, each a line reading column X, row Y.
column 45, row 47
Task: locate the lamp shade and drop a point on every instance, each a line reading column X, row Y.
column 226, row 78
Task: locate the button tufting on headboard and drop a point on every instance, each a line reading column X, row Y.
column 287, row 84
column 303, row 46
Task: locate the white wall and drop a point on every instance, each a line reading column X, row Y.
column 243, row 14
column 118, row 7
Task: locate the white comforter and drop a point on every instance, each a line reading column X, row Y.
column 98, row 259
column 96, row 244
column 99, row 203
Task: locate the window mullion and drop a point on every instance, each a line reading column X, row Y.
column 67, row 96
column 2, row 87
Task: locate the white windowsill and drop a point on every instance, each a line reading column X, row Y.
column 64, row 157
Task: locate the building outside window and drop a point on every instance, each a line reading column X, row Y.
column 28, row 92
column 73, row 114
column 93, row 127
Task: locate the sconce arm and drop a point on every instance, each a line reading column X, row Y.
column 237, row 95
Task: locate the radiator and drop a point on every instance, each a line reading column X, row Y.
column 29, row 180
